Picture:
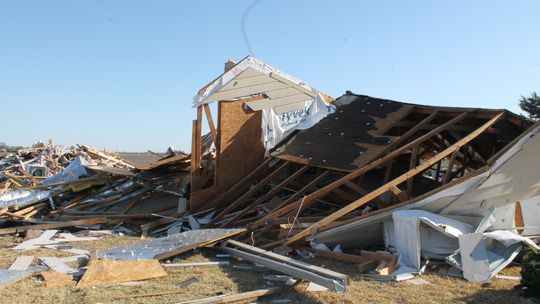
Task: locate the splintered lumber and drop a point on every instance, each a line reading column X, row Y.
column 56, row 279
column 395, row 182
column 363, row 263
column 330, row 279
column 344, row 257
column 103, row 272
column 311, row 198
column 236, row 298
column 83, row 222
column 21, row 263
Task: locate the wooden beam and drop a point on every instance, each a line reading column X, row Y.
column 265, row 164
column 83, row 222
column 312, row 197
column 264, row 197
column 410, row 133
column 395, row 182
column 356, row 188
column 412, row 164
column 279, row 209
column 248, row 194
column 210, row 121
column 449, row 167
column 402, row 196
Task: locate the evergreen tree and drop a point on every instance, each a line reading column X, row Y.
column 531, row 105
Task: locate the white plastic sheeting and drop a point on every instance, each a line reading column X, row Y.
column 278, row 126
column 437, row 237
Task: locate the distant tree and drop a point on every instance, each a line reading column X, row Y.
column 531, row 105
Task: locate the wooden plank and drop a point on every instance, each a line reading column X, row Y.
column 279, row 211
column 311, row 198
column 249, row 193
column 518, row 218
column 235, row 188
column 264, row 197
column 210, row 121
column 21, row 263
column 104, row 272
column 83, row 222
column 244, row 297
column 56, row 279
column 367, row 198
column 343, row 257
column 449, row 167
column 402, row 196
column 407, row 135
column 412, row 164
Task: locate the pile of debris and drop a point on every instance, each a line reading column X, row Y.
column 56, row 186
column 386, row 185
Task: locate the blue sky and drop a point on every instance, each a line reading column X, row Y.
column 121, row 74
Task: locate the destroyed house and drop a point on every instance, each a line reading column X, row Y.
column 366, row 156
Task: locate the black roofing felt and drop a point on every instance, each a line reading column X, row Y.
column 341, row 138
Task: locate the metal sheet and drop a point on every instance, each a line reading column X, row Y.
column 10, row 276
column 150, row 249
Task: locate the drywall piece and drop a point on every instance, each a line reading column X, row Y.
column 56, row 279
column 162, row 248
column 10, row 276
column 103, row 272
column 21, row 263
column 474, row 257
column 324, row 277
column 57, row 265
column 43, row 239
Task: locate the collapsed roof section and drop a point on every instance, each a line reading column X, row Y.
column 365, row 128
column 370, row 154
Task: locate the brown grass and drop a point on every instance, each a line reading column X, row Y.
column 213, row 280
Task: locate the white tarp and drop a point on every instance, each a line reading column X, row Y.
column 277, row 126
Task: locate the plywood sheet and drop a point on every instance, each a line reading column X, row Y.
column 56, row 279
column 104, row 272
